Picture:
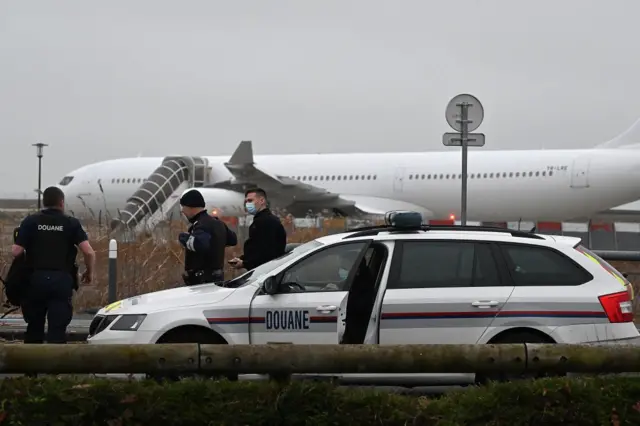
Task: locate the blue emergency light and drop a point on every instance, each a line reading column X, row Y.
column 403, row 219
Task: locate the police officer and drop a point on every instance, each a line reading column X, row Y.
column 204, row 243
column 267, row 237
column 48, row 239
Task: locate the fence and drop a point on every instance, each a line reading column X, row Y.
column 282, row 360
column 605, row 236
column 611, row 236
column 154, row 262
column 597, row 235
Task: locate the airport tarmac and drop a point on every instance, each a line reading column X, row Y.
column 12, row 327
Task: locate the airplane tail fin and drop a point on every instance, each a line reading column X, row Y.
column 630, row 139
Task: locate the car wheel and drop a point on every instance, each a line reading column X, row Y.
column 192, row 335
column 519, row 337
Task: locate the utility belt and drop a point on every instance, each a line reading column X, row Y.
column 72, row 270
column 202, row 276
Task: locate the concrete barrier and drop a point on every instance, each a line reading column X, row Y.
column 317, row 359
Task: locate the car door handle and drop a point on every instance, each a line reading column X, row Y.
column 325, row 309
column 484, row 304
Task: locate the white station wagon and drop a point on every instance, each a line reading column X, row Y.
column 399, row 283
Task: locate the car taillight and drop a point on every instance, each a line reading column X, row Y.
column 617, row 306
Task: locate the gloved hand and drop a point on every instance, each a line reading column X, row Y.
column 183, row 237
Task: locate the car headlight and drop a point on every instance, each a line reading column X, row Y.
column 128, row 322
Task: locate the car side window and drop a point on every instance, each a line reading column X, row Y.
column 441, row 264
column 325, row 270
column 540, row 266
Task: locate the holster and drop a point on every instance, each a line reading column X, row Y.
column 201, row 277
column 74, row 276
column 193, row 277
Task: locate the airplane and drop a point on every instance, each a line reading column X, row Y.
column 503, row 185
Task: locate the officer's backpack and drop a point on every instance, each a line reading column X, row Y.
column 17, row 278
column 16, row 281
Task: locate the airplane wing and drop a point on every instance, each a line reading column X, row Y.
column 299, row 197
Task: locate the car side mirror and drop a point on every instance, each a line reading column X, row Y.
column 270, row 285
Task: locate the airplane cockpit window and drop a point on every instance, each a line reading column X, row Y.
column 66, row 180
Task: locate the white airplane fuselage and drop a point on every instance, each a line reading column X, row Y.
column 502, row 185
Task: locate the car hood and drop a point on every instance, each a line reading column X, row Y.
column 171, row 298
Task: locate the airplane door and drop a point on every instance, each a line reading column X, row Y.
column 580, row 173
column 398, row 179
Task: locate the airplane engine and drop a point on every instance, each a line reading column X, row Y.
column 222, row 202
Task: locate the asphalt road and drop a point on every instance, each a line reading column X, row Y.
column 12, row 327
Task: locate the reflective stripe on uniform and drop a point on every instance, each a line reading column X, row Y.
column 189, row 243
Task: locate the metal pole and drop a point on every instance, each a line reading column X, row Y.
column 113, row 261
column 463, row 213
column 39, row 181
column 39, row 149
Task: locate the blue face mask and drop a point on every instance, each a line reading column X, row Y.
column 251, row 208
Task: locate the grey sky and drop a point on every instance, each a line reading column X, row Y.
column 99, row 80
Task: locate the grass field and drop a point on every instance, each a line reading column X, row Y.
column 155, row 262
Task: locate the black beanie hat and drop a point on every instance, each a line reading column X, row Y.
column 192, row 198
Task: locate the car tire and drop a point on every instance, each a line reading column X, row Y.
column 519, row 337
column 192, row 335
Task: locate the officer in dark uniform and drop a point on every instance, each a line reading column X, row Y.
column 204, row 242
column 48, row 239
column 267, row 236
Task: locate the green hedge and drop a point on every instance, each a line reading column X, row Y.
column 593, row 401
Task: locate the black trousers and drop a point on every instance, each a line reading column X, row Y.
column 48, row 298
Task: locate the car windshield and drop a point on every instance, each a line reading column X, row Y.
column 252, row 275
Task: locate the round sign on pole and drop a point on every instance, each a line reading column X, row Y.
column 475, row 112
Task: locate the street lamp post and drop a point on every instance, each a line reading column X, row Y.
column 39, row 148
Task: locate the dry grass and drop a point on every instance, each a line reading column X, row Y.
column 151, row 263
column 155, row 262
